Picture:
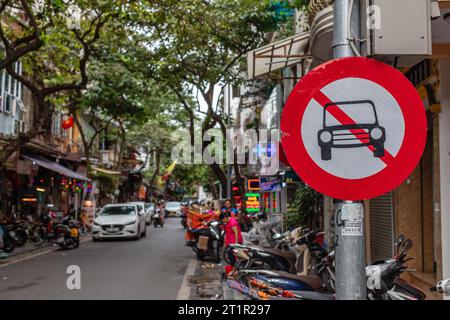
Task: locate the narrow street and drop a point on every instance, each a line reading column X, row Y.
column 151, row 268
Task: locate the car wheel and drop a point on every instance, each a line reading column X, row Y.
column 379, row 151
column 325, row 153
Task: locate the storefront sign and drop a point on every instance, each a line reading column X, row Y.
column 252, row 202
column 270, row 184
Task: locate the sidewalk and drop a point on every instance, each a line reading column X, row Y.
column 205, row 282
column 29, row 250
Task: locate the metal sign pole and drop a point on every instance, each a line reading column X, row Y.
column 350, row 242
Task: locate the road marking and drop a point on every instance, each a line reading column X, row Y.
column 185, row 290
column 40, row 253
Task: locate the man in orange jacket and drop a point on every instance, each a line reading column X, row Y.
column 196, row 221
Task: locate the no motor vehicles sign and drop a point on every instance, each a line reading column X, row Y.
column 354, row 128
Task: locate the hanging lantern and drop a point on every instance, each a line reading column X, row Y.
column 68, row 123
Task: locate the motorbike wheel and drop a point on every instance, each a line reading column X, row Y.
column 200, row 256
column 22, row 237
column 76, row 243
column 155, row 224
column 216, row 248
column 8, row 244
column 37, row 236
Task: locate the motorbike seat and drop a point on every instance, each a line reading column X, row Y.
column 288, row 255
column 313, row 281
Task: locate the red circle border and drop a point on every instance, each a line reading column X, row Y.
column 405, row 161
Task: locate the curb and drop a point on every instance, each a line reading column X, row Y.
column 184, row 293
column 38, row 251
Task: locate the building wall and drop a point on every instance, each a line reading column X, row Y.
column 444, row 146
column 413, row 207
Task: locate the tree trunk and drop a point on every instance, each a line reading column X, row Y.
column 121, row 146
column 87, row 151
column 157, row 169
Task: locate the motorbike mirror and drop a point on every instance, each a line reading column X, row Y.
column 407, row 245
column 277, row 236
column 399, row 241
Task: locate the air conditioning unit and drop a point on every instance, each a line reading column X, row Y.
column 397, row 32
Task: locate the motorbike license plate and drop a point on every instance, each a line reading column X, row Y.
column 74, row 232
column 112, row 229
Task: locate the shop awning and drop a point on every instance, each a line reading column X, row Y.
column 277, row 55
column 56, row 167
column 114, row 173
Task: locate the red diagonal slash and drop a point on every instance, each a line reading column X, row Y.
column 344, row 119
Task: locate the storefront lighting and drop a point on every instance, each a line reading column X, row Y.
column 40, row 189
column 29, row 199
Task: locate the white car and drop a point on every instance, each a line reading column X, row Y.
column 142, row 207
column 173, row 209
column 123, row 220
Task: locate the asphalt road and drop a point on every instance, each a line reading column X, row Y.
column 151, row 268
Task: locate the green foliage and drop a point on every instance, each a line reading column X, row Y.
column 190, row 175
column 107, row 183
column 309, row 204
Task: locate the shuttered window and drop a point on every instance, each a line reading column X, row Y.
column 381, row 227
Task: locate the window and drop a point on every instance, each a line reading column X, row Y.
column 11, row 91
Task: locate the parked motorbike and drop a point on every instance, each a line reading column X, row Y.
column 10, row 239
column 156, row 219
column 208, row 241
column 442, row 287
column 67, row 233
column 383, row 277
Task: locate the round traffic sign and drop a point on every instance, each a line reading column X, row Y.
column 354, row 128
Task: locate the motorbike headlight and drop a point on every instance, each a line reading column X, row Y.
column 326, row 136
column 130, row 223
column 214, row 224
column 376, row 133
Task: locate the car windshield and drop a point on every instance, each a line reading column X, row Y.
column 149, row 206
column 118, row 210
column 173, row 205
column 360, row 113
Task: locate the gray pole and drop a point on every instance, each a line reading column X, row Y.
column 228, row 94
column 350, row 242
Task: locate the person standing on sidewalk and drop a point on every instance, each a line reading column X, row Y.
column 228, row 208
column 2, row 219
column 233, row 233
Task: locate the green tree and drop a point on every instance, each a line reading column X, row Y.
column 54, row 54
column 195, row 46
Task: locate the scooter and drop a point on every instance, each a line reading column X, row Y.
column 156, row 219
column 442, row 287
column 10, row 239
column 67, row 233
column 208, row 241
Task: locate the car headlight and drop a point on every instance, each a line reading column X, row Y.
column 130, row 223
column 97, row 224
column 326, row 136
column 376, row 133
